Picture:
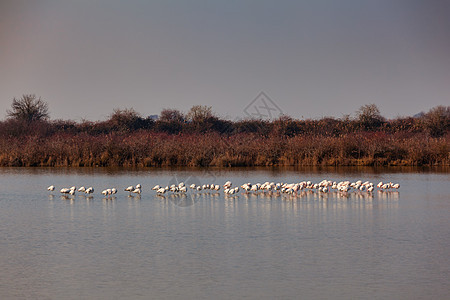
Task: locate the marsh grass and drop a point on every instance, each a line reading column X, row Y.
column 215, row 142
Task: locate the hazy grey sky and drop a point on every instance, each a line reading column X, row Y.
column 312, row 58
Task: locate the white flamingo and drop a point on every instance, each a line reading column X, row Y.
column 65, row 190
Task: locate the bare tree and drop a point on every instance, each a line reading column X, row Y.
column 127, row 119
column 437, row 120
column 171, row 115
column 28, row 108
column 200, row 113
column 369, row 116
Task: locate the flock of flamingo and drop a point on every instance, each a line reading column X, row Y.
column 324, row 186
column 289, row 188
column 90, row 190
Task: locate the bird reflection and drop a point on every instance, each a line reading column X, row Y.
column 181, row 200
column 134, row 196
column 67, row 197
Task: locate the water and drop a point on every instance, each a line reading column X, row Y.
column 208, row 246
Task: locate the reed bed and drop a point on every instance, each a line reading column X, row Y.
column 145, row 148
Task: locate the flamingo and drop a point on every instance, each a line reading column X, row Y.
column 65, row 190
column 129, row 189
column 51, row 188
column 82, row 189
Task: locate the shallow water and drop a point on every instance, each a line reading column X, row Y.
column 209, row 246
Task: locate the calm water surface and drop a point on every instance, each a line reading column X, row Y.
column 210, row 246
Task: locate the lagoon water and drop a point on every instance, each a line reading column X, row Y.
column 209, row 246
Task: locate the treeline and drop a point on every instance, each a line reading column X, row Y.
column 201, row 138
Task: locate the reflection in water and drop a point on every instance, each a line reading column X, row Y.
column 304, row 200
column 66, row 197
column 389, row 195
column 187, row 199
column 134, row 196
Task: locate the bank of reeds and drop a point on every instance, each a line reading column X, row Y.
column 126, row 139
column 147, row 148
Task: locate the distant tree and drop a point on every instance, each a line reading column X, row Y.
column 171, row 115
column 437, row 120
column 369, row 116
column 128, row 119
column 170, row 121
column 201, row 119
column 28, row 108
column 200, row 113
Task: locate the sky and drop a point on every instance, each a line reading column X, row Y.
column 305, row 59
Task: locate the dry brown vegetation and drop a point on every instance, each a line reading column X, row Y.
column 203, row 139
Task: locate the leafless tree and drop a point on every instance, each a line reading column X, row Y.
column 369, row 116
column 171, row 115
column 200, row 113
column 28, row 108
